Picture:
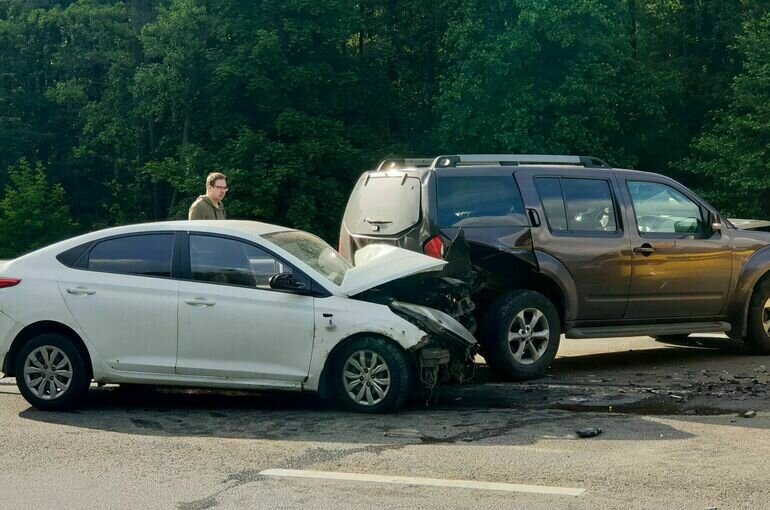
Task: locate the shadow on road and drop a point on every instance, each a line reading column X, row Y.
column 617, row 391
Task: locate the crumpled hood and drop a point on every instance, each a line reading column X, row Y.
column 376, row 264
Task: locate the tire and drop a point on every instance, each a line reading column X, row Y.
column 355, row 394
column 758, row 338
column 507, row 350
column 35, row 358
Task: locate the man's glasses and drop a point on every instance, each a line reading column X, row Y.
column 223, row 188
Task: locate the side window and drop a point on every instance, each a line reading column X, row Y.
column 659, row 208
column 143, row 255
column 491, row 201
column 221, row 260
column 589, row 205
column 549, row 189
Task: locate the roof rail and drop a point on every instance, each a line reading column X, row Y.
column 398, row 163
column 516, row 159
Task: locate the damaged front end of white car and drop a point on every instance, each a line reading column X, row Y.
column 412, row 286
column 448, row 351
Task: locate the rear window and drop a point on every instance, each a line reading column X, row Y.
column 383, row 205
column 577, row 205
column 143, row 255
column 480, row 201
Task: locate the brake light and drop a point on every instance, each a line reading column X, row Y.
column 434, row 247
column 9, row 282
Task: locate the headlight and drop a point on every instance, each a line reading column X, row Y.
column 434, row 321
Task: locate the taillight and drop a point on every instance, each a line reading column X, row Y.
column 434, row 247
column 9, row 282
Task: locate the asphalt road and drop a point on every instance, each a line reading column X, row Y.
column 673, row 436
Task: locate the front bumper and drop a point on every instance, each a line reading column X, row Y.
column 447, row 353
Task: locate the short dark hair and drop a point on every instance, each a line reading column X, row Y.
column 214, row 177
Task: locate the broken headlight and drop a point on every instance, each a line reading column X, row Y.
column 433, row 321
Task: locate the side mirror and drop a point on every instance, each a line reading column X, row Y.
column 285, row 281
column 716, row 222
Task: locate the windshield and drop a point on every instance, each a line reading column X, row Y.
column 313, row 251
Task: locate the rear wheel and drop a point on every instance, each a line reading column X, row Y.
column 371, row 375
column 758, row 338
column 51, row 373
column 520, row 335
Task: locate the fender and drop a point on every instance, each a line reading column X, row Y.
column 752, row 271
column 557, row 272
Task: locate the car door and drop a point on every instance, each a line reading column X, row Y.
column 582, row 228
column 680, row 266
column 124, row 299
column 231, row 323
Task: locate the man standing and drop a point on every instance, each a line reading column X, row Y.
column 210, row 206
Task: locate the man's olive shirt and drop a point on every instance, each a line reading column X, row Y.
column 204, row 209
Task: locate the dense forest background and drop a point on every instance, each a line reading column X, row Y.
column 113, row 111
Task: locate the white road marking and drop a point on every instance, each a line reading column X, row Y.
column 434, row 482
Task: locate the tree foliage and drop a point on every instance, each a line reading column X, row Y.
column 33, row 213
column 128, row 104
column 733, row 156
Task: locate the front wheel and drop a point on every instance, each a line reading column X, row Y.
column 50, row 373
column 520, row 335
column 758, row 338
column 371, row 375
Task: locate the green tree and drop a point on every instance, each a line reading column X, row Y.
column 731, row 160
column 33, row 213
column 533, row 76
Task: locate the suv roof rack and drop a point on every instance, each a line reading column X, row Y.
column 398, row 163
column 516, row 159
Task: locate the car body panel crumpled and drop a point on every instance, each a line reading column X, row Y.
column 378, row 263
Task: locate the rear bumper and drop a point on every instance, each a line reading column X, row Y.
column 9, row 328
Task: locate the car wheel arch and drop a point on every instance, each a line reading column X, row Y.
column 536, row 282
column 755, row 271
column 324, row 390
column 38, row 328
column 740, row 320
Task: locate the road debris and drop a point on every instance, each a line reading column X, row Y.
column 589, row 432
column 749, row 414
column 404, row 433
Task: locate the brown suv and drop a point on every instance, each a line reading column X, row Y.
column 568, row 244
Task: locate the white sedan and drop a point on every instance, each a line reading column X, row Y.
column 228, row 304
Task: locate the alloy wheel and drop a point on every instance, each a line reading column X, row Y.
column 529, row 336
column 366, row 377
column 766, row 317
column 48, row 372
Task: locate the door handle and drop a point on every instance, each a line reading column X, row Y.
column 199, row 302
column 645, row 249
column 80, row 291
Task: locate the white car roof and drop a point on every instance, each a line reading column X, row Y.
column 249, row 227
column 215, row 226
column 375, row 264
column 238, row 226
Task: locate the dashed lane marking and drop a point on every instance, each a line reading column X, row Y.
column 433, row 482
